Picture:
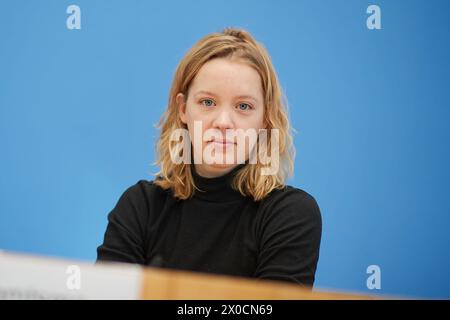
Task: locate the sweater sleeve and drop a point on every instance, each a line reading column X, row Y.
column 289, row 238
column 125, row 233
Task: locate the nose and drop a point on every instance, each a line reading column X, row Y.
column 223, row 121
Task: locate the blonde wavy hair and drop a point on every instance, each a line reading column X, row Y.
column 230, row 43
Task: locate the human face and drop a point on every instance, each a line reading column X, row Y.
column 225, row 94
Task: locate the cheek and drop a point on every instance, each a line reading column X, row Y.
column 260, row 121
column 256, row 122
column 194, row 114
column 196, row 123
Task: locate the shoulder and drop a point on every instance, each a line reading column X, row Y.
column 144, row 187
column 138, row 203
column 291, row 203
column 288, row 196
column 144, row 191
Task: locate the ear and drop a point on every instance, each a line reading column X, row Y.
column 181, row 104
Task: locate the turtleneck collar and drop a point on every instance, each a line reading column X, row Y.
column 217, row 189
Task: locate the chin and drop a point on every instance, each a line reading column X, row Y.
column 222, row 166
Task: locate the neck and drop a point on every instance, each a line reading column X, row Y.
column 213, row 172
column 218, row 188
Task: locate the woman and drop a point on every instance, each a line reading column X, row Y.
column 221, row 207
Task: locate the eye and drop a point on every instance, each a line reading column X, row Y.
column 244, row 106
column 207, row 102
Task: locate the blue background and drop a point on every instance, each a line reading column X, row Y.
column 372, row 110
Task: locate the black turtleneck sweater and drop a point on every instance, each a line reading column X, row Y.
column 217, row 231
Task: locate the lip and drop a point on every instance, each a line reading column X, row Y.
column 222, row 142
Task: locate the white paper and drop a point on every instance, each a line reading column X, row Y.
column 33, row 277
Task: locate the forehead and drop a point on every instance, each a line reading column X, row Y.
column 223, row 76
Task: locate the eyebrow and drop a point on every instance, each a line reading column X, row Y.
column 212, row 94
